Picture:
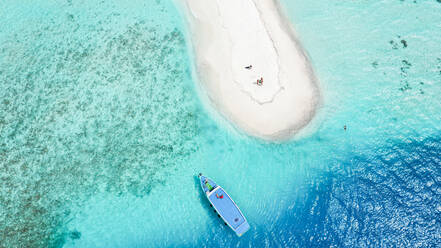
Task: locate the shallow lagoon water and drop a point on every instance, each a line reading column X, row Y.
column 102, row 132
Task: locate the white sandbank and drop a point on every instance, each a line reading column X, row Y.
column 227, row 36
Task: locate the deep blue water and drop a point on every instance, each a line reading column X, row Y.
column 389, row 199
column 102, row 131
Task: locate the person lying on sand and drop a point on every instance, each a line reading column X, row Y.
column 249, row 67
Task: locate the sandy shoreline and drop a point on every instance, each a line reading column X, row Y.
column 229, row 35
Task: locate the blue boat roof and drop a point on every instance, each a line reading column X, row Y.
column 226, row 208
column 224, row 205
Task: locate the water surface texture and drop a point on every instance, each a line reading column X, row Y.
column 102, row 131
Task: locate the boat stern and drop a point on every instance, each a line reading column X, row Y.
column 243, row 228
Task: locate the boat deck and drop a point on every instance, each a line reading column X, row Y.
column 226, row 208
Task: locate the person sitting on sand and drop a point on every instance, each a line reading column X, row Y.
column 260, row 81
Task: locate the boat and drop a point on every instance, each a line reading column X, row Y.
column 224, row 206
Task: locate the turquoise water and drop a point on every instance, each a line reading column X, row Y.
column 102, row 131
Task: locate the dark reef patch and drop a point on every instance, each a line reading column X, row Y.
column 408, row 82
column 87, row 109
column 404, row 42
column 438, row 67
column 395, row 43
column 405, row 66
column 75, row 235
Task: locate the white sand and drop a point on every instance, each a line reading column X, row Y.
column 227, row 36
